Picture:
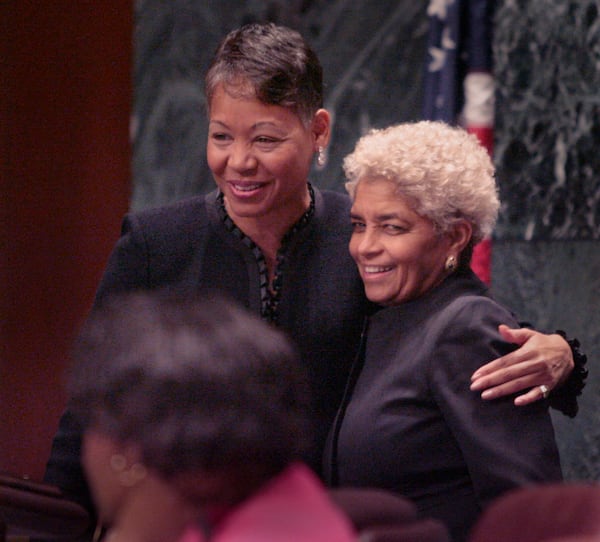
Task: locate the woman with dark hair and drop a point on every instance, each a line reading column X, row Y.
column 195, row 416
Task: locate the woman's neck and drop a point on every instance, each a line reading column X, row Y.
column 268, row 230
column 152, row 512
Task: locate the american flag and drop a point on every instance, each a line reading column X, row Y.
column 459, row 83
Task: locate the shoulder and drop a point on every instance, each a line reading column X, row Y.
column 475, row 311
column 184, row 211
column 464, row 335
column 464, row 301
column 331, row 205
column 173, row 225
column 162, row 239
column 456, row 320
column 457, row 303
column 332, row 217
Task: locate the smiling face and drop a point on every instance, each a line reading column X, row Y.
column 260, row 156
column 399, row 254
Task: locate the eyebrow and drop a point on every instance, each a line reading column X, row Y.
column 387, row 216
column 253, row 127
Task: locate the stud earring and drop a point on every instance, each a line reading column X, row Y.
column 128, row 476
column 450, row 263
column 321, row 158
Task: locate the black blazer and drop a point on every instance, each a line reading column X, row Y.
column 409, row 422
column 185, row 248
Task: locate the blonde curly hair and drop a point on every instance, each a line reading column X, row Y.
column 442, row 170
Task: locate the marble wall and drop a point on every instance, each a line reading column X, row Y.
column 547, row 65
column 372, row 61
column 546, row 257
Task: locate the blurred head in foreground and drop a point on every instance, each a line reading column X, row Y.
column 192, row 402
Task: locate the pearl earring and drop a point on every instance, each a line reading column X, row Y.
column 450, row 263
column 321, row 158
column 128, row 476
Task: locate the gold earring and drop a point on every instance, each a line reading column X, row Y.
column 128, row 477
column 133, row 475
column 321, row 158
column 450, row 263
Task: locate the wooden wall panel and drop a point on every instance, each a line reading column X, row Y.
column 65, row 103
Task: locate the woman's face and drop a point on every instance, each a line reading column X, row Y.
column 260, row 156
column 399, row 254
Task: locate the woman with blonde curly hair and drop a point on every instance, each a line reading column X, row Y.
column 423, row 194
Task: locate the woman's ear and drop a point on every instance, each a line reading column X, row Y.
column 460, row 235
column 321, row 128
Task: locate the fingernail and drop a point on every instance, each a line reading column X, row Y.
column 487, row 394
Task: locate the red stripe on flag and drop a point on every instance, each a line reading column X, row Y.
column 481, row 263
column 485, row 134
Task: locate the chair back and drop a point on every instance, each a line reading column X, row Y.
column 541, row 514
column 382, row 516
column 37, row 510
column 421, row 530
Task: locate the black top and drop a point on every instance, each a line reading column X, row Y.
column 409, row 422
column 187, row 248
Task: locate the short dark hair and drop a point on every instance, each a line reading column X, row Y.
column 272, row 62
column 196, row 384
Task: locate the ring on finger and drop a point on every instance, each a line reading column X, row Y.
column 545, row 391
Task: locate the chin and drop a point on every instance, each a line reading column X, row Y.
column 379, row 299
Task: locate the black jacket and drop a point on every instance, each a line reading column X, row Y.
column 409, row 422
column 185, row 248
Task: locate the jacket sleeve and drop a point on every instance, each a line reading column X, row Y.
column 125, row 270
column 503, row 446
column 63, row 468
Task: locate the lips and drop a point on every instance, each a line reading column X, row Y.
column 245, row 189
column 374, row 269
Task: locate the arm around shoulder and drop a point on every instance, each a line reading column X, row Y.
column 542, row 363
column 564, row 397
